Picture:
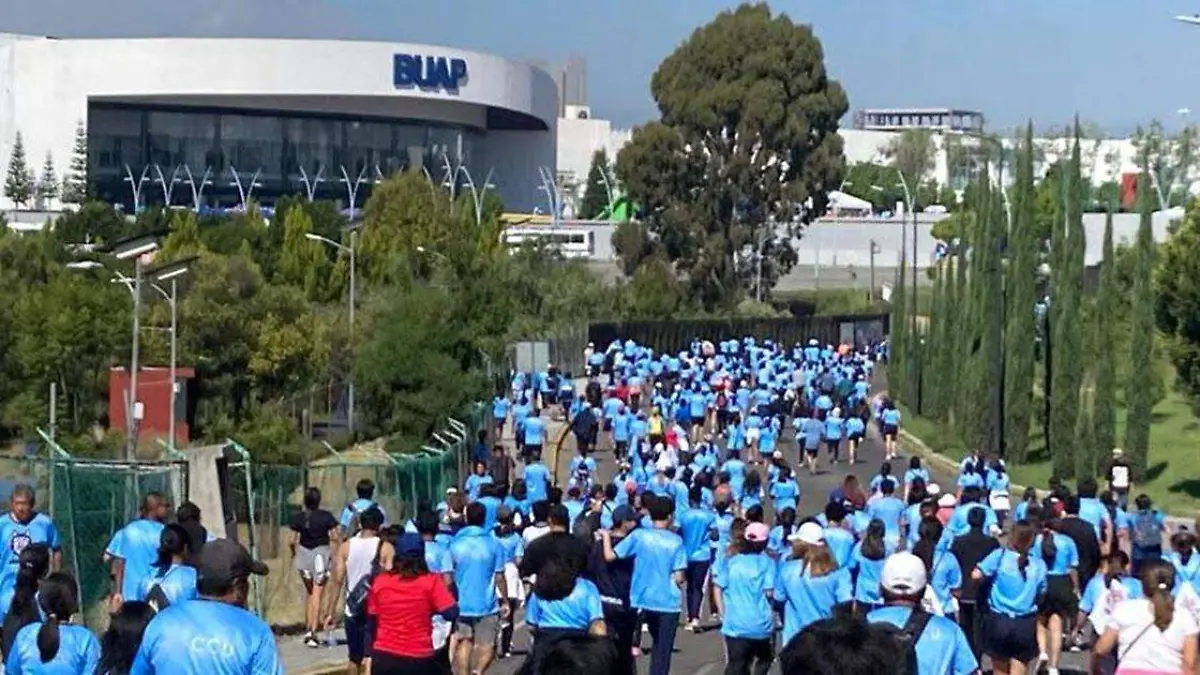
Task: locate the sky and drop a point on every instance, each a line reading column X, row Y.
column 1117, row 63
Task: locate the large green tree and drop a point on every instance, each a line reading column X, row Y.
column 1104, row 364
column 1067, row 250
column 1020, row 325
column 596, row 192
column 1142, row 381
column 744, row 155
column 75, row 186
column 19, row 183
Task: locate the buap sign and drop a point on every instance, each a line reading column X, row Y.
column 431, row 73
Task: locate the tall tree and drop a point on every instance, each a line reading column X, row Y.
column 596, row 192
column 302, row 261
column 1066, row 344
column 744, row 155
column 18, row 182
column 74, row 189
column 898, row 349
column 1142, row 380
column 1168, row 160
column 47, row 184
column 912, row 155
column 1020, row 330
column 1104, row 367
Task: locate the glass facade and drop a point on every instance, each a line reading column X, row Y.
column 282, row 147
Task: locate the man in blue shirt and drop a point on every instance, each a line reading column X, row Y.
column 365, row 493
column 20, row 528
column 941, row 646
column 537, row 479
column 478, row 560
column 133, row 550
column 697, row 525
column 659, row 561
column 213, row 633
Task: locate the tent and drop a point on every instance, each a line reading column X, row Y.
column 842, row 204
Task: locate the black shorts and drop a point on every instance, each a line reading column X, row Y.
column 357, row 638
column 391, row 664
column 890, row 430
column 811, row 452
column 854, row 438
column 1010, row 638
column 1060, row 596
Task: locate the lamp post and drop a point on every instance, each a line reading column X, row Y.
column 171, row 272
column 477, row 194
column 245, row 192
column 311, row 182
column 350, row 249
column 197, row 188
column 168, row 187
column 552, row 193
column 135, row 185
column 352, row 187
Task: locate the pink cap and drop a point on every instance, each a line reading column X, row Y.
column 757, row 532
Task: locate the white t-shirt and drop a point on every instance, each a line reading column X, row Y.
column 533, row 532
column 1155, row 651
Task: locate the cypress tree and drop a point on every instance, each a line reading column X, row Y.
column 984, row 254
column 898, row 344
column 935, row 346
column 1066, row 279
column 961, row 345
column 1020, row 330
column 1104, row 400
column 1141, row 381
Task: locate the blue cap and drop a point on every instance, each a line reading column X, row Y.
column 410, row 545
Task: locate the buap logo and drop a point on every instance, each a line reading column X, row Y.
column 430, row 73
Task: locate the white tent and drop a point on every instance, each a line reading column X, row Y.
column 841, row 203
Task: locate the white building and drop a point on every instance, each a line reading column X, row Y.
column 296, row 112
column 579, row 137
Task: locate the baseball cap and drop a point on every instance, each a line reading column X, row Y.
column 903, row 574
column 933, row 489
column 757, row 532
column 809, row 533
column 224, row 561
column 410, row 545
column 624, row 514
column 947, row 500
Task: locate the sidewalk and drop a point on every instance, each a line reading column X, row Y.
column 300, row 660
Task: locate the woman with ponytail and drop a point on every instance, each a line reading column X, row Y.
column 54, row 645
column 1185, row 559
column 941, row 567
column 1018, row 580
column 1061, row 556
column 171, row 580
column 32, row 566
column 1151, row 635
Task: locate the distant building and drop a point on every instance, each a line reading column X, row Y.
column 936, row 119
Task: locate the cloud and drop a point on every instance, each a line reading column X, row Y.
column 179, row 18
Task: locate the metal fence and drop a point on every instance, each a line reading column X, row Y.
column 564, row 349
column 673, row 336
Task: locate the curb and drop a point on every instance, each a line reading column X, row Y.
column 946, row 464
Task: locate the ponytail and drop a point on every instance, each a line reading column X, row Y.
column 48, row 639
column 1157, row 580
column 930, row 532
column 1021, row 537
column 1049, row 550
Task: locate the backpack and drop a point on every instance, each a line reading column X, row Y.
column 157, row 597
column 1146, row 531
column 356, row 598
column 906, row 639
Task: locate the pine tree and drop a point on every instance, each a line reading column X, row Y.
column 595, row 194
column 74, row 188
column 1139, row 390
column 1104, row 401
column 1066, row 282
column 18, row 183
column 1020, row 328
column 47, row 184
column 300, row 256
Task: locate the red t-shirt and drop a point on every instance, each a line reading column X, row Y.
column 404, row 610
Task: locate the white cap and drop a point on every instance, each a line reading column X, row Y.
column 777, row 454
column 933, row 489
column 947, row 500
column 903, row 574
column 1117, row 452
column 809, row 533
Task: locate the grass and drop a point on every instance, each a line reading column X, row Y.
column 1173, row 481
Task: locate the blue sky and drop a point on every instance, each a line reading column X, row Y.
column 1117, row 62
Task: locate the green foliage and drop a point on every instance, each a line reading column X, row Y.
column 302, row 261
column 75, row 186
column 912, row 155
column 47, row 183
column 1020, row 329
column 1177, row 299
column 1104, row 353
column 1142, row 381
column 875, row 183
column 18, row 182
column 595, row 193
column 747, row 137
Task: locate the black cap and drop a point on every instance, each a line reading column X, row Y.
column 223, row 561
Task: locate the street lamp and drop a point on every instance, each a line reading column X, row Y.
column 171, row 272
column 197, row 188
column 550, row 187
column 135, row 185
column 245, row 192
column 168, row 187
column 352, row 186
column 477, row 195
column 311, row 183
column 352, row 232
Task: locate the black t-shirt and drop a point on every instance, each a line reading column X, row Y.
column 555, row 546
column 1084, row 535
column 314, row 527
column 969, row 549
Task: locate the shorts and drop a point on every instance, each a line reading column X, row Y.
column 854, row 438
column 1060, row 596
column 622, row 447
column 530, row 449
column 312, row 563
column 1009, row 637
column 392, row 664
column 481, row 630
column 608, row 424
column 889, row 431
column 752, row 435
column 357, row 639
column 812, row 452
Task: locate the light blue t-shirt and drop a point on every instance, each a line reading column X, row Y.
column 356, row 507
column 577, row 611
column 866, row 585
column 889, row 510
column 475, row 483
column 178, row 583
column 207, row 637
column 535, row 431
column 696, row 527
column 136, row 544
column 958, row 525
column 840, row 543
column 785, row 494
column 807, row 599
column 537, row 481
column 78, row 652
column 437, row 557
column 745, row 581
column 14, row 537
column 1095, row 589
column 947, row 577
column 913, row 474
column 478, row 557
column 1066, row 554
column 1092, row 510
column 942, row 648
column 1014, row 593
column 657, row 555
